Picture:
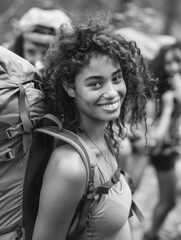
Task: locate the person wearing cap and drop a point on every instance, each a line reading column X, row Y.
column 36, row 30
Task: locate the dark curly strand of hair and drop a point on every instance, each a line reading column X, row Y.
column 71, row 52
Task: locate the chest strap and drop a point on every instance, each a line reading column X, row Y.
column 104, row 189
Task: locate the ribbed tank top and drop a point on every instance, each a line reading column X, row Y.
column 109, row 218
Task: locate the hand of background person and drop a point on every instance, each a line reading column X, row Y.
column 175, row 81
column 168, row 101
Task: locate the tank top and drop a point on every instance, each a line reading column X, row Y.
column 109, row 218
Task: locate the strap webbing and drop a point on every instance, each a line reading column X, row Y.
column 89, row 198
column 27, row 125
column 11, row 152
column 11, row 132
column 71, row 139
column 134, row 207
column 137, row 211
column 51, row 118
column 104, row 189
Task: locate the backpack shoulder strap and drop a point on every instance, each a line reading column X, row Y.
column 134, row 206
column 70, row 138
column 85, row 153
column 48, row 129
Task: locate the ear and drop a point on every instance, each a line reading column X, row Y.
column 69, row 89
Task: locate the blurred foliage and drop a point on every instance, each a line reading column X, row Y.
column 159, row 16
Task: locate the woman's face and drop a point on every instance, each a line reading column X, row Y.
column 99, row 90
column 172, row 62
column 34, row 53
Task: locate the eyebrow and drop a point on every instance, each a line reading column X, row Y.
column 100, row 77
column 117, row 71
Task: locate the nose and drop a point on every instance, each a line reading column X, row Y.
column 36, row 56
column 39, row 65
column 38, row 60
column 110, row 90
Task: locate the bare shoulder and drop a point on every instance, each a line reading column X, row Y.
column 62, row 189
column 66, row 166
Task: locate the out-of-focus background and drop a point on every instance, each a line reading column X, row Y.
column 158, row 16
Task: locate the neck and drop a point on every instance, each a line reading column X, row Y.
column 94, row 130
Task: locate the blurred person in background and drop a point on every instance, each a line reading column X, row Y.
column 164, row 124
column 36, row 29
column 165, row 133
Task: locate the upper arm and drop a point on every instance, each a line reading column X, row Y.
column 62, row 189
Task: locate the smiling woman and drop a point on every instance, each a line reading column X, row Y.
column 91, row 78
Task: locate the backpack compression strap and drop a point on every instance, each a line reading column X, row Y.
column 27, row 125
column 23, row 128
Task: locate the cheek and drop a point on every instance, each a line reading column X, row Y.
column 167, row 67
column 29, row 57
column 122, row 89
column 83, row 100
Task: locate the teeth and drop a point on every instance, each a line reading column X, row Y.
column 110, row 106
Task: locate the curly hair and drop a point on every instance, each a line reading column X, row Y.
column 158, row 67
column 71, row 51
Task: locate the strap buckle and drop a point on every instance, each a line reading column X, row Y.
column 19, row 233
column 115, row 178
column 7, row 154
column 102, row 190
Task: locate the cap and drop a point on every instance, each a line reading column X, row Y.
column 50, row 19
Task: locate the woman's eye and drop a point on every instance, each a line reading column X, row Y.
column 117, row 79
column 95, row 84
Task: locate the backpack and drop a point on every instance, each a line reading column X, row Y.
column 21, row 106
column 27, row 138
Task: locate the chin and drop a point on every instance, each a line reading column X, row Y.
column 113, row 117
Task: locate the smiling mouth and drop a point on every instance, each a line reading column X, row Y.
column 110, row 106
